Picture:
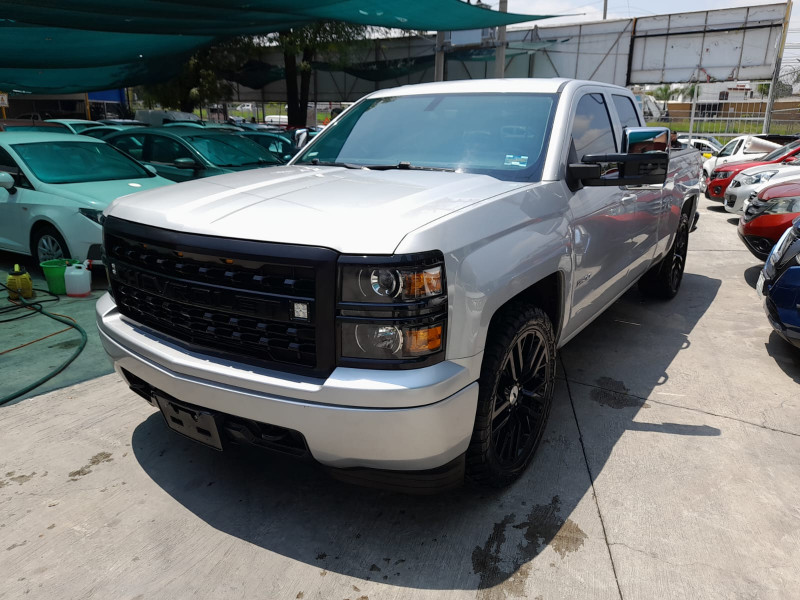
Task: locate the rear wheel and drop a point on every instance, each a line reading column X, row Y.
column 47, row 244
column 516, row 392
column 664, row 279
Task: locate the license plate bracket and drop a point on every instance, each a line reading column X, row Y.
column 193, row 422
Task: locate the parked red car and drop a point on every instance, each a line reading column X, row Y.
column 768, row 216
column 721, row 177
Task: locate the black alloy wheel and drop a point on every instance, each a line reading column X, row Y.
column 516, row 392
column 664, row 279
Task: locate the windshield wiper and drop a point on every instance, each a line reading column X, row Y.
column 406, row 166
column 322, row 163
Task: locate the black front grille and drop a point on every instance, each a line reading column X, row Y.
column 270, row 304
column 730, row 201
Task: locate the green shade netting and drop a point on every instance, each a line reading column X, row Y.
column 60, row 46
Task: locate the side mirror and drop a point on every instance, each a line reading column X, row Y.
column 151, row 169
column 644, row 160
column 715, row 153
column 300, row 137
column 186, row 163
column 7, row 182
column 789, row 160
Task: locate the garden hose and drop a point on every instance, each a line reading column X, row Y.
column 36, row 306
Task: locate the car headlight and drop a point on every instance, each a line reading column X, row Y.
column 92, row 214
column 721, row 174
column 392, row 311
column 781, row 206
column 758, row 177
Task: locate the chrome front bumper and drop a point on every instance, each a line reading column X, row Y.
column 417, row 419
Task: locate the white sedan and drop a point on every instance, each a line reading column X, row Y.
column 751, row 181
column 55, row 186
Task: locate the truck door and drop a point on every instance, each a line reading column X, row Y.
column 602, row 232
column 643, row 213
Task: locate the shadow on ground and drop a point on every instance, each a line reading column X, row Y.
column 468, row 539
column 717, row 208
column 751, row 275
column 786, row 356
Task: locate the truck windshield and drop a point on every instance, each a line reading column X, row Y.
column 502, row 135
column 78, row 162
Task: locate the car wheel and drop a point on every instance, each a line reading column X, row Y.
column 515, row 395
column 664, row 279
column 47, row 244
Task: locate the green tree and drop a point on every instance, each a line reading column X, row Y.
column 199, row 81
column 782, row 89
column 663, row 93
column 334, row 39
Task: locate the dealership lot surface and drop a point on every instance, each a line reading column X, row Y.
column 669, row 470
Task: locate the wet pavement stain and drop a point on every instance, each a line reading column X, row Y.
column 615, row 394
column 98, row 458
column 12, row 546
column 503, row 571
column 65, row 345
column 20, row 479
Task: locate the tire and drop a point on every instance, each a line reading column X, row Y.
column 514, row 396
column 47, row 244
column 664, row 279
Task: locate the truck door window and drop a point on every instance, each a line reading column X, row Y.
column 626, row 111
column 591, row 130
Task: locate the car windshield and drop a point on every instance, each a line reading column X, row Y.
column 230, row 150
column 502, row 135
column 77, row 162
column 779, row 153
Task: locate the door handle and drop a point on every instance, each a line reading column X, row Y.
column 628, row 199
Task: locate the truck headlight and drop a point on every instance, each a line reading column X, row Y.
column 392, row 311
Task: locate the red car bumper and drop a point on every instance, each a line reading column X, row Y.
column 762, row 233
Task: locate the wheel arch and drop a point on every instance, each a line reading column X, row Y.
column 42, row 222
column 547, row 293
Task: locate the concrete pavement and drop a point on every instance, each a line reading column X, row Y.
column 669, row 470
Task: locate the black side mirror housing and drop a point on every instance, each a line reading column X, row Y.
column 187, row 163
column 644, row 160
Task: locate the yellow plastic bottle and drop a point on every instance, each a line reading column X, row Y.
column 19, row 283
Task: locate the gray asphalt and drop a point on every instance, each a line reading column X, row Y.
column 668, row 470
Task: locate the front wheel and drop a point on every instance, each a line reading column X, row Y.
column 515, row 395
column 47, row 244
column 664, row 279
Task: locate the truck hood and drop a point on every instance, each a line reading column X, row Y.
column 350, row 210
column 99, row 194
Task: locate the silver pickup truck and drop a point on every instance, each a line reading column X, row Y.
column 390, row 303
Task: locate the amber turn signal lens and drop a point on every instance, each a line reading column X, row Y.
column 423, row 341
column 421, row 284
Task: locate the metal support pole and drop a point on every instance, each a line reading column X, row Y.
column 438, row 65
column 776, row 75
column 605, row 9
column 500, row 51
column 694, row 105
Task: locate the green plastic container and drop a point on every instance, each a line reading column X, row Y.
column 54, row 274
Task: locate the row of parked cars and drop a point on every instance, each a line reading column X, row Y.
column 758, row 178
column 57, row 176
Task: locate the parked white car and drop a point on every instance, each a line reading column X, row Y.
column 706, row 147
column 744, row 147
column 55, row 186
column 751, row 181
